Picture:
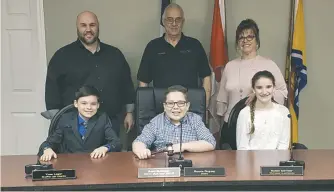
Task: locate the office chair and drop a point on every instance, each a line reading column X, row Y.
column 149, row 103
column 232, row 125
column 56, row 117
column 55, row 120
column 298, row 146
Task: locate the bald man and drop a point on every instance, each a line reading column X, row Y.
column 88, row 61
column 174, row 58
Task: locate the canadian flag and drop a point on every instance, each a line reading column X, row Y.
column 218, row 59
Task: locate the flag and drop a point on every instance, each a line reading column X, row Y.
column 164, row 4
column 298, row 69
column 218, row 59
column 218, row 48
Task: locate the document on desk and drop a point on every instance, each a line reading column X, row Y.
column 159, row 172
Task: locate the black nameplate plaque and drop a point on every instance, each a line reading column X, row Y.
column 282, row 171
column 159, row 172
column 204, row 172
column 52, row 174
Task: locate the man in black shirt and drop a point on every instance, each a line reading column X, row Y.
column 88, row 61
column 175, row 59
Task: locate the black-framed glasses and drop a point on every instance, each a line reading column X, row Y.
column 171, row 20
column 248, row 38
column 171, row 104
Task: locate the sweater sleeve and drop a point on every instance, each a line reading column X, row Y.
column 222, row 97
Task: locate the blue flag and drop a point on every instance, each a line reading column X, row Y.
column 298, row 73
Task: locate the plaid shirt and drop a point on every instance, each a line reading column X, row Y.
column 161, row 131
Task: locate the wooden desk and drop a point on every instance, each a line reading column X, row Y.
column 119, row 171
column 243, row 171
column 116, row 170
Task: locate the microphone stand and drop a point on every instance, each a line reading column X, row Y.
column 292, row 162
column 180, row 162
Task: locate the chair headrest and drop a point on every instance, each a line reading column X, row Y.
column 56, row 117
column 233, row 117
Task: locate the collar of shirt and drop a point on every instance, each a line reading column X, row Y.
column 81, row 121
column 168, row 120
column 180, row 41
column 98, row 48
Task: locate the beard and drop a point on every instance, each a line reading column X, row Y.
column 81, row 36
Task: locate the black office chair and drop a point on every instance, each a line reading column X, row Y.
column 232, row 125
column 55, row 120
column 298, row 146
column 149, row 103
column 56, row 117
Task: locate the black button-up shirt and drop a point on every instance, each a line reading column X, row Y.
column 165, row 65
column 73, row 66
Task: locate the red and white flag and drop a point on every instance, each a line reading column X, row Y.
column 218, row 59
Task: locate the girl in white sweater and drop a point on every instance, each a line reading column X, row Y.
column 264, row 124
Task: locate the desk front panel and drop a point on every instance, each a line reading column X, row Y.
column 120, row 170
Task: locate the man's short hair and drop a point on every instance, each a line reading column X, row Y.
column 87, row 90
column 177, row 88
column 172, row 5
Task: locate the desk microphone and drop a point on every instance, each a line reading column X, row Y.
column 28, row 169
column 180, row 162
column 292, row 161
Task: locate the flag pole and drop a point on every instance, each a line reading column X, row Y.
column 288, row 66
column 225, row 31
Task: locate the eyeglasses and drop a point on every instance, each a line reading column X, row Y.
column 170, row 20
column 178, row 103
column 248, row 38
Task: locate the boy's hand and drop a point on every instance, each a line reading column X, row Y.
column 143, row 154
column 99, row 152
column 48, row 154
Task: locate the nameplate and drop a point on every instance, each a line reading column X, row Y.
column 52, row 174
column 159, row 172
column 282, row 171
column 204, row 172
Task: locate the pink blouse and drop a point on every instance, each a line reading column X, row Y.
column 236, row 82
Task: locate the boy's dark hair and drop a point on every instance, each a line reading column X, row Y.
column 177, row 88
column 87, row 90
